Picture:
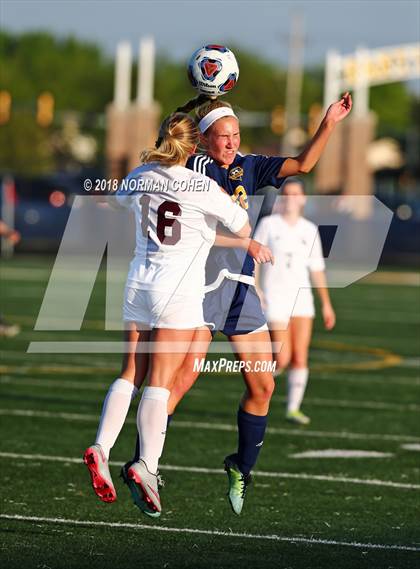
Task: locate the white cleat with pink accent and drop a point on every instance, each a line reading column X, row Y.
column 147, row 484
column 97, row 463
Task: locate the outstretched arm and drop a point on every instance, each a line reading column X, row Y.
column 306, row 160
column 259, row 252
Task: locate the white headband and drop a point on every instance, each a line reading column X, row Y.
column 213, row 116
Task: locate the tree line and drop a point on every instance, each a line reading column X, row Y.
column 80, row 77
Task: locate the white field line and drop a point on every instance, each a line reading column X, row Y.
column 321, row 402
column 301, row 432
column 372, row 405
column 98, row 368
column 365, row 379
column 410, row 362
column 90, row 367
column 201, row 470
column 411, row 446
column 316, row 401
column 341, row 453
column 214, row 426
column 65, row 384
column 219, row 533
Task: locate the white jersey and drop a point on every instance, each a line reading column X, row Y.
column 297, row 250
column 176, row 212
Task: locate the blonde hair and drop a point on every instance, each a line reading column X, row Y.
column 178, row 136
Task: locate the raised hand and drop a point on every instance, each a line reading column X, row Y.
column 339, row 110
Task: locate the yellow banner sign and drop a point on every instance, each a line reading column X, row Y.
column 381, row 65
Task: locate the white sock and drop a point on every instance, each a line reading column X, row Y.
column 114, row 412
column 152, row 418
column 297, row 378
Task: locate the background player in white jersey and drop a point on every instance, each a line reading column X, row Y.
column 176, row 212
column 285, row 289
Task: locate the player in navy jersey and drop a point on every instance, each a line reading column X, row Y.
column 231, row 303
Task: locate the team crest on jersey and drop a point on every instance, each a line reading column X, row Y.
column 240, row 195
column 236, row 173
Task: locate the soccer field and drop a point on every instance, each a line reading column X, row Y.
column 305, row 509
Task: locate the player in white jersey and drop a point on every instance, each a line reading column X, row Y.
column 175, row 229
column 176, row 212
column 285, row 289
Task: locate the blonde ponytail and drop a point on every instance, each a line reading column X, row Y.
column 178, row 137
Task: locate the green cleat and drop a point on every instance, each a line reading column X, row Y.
column 238, row 483
column 297, row 417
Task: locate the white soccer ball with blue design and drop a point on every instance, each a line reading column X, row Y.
column 213, row 70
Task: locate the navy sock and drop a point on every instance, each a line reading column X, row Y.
column 137, row 451
column 251, row 430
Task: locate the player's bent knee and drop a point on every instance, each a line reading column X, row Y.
column 299, row 360
column 262, row 392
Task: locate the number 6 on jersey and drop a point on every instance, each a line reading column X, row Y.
column 163, row 221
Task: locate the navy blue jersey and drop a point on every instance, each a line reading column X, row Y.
column 247, row 174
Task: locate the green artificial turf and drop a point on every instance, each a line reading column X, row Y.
column 363, row 394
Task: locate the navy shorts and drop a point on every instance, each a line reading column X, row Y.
column 233, row 308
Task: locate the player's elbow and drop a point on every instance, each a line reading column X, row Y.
column 245, row 231
column 295, row 166
column 300, row 164
column 304, row 167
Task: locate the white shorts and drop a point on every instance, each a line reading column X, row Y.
column 155, row 309
column 282, row 307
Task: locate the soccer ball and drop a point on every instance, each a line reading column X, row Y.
column 213, row 70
